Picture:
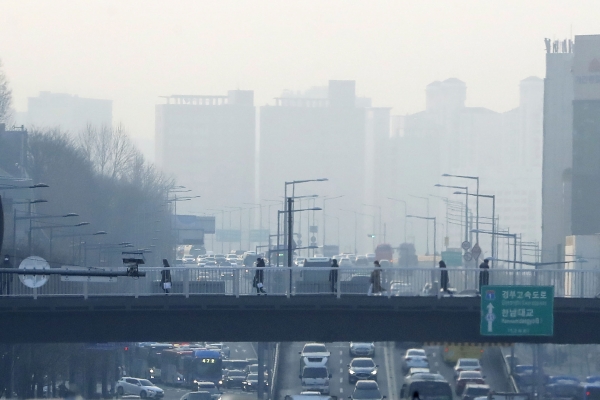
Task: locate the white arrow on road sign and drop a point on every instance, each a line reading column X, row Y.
column 490, row 317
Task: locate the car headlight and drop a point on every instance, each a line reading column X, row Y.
column 151, row 371
column 195, row 381
column 351, row 372
column 374, row 372
column 220, row 382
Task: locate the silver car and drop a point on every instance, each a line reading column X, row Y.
column 139, row 387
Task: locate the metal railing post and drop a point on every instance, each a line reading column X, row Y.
column 338, row 286
column 236, row 281
column 289, row 283
column 85, row 290
column 186, row 283
column 35, row 293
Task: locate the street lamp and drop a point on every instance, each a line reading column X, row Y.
column 493, row 197
column 477, row 200
column 379, row 208
column 325, row 218
column 426, row 199
column 293, row 183
column 466, row 189
column 434, row 233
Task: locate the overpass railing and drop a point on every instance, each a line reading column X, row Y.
column 296, row 281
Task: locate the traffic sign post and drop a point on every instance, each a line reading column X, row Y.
column 476, row 251
column 517, row 311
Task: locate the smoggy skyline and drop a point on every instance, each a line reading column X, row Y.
column 133, row 52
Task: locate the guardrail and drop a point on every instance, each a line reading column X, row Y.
column 295, row 281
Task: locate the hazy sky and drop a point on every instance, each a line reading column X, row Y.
column 134, row 51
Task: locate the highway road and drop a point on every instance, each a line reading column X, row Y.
column 239, row 351
column 388, row 356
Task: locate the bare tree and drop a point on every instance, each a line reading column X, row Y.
column 6, row 111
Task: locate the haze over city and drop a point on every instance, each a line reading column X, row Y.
column 135, row 51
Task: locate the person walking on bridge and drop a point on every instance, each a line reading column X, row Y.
column 444, row 276
column 375, row 280
column 484, row 273
column 259, row 276
column 165, row 276
column 333, row 275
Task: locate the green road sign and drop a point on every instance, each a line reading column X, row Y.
column 517, row 310
column 452, row 258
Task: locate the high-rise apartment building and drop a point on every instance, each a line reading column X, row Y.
column 557, row 150
column 327, row 133
column 208, row 144
column 585, row 219
column 502, row 149
column 68, row 112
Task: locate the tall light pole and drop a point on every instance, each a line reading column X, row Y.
column 466, row 189
column 325, row 218
column 477, row 200
column 426, row 199
column 510, row 235
column 434, row 234
column 405, row 212
column 294, row 183
column 379, row 209
column 493, row 197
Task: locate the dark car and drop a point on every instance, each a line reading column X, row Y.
column 233, row 379
column 561, row 378
column 251, row 383
column 523, row 376
column 467, row 377
column 473, row 390
column 201, row 395
column 567, row 389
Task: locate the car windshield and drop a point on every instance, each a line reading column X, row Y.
column 415, row 353
column 470, row 375
column 252, row 377
column 315, row 348
column 146, row 382
column 477, row 391
column 314, row 373
column 523, row 368
column 366, row 394
column 199, row 396
column 253, row 368
column 236, row 373
column 358, row 363
column 469, row 363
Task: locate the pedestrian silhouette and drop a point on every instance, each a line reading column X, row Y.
column 443, row 276
column 375, row 279
column 484, row 273
column 165, row 276
column 259, row 276
column 333, row 275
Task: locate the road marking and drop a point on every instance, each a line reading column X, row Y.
column 341, row 370
column 341, row 390
column 341, row 380
column 390, row 367
column 341, row 352
column 341, row 361
column 433, row 354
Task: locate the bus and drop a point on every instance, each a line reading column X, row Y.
column 173, row 366
column 384, row 252
column 146, row 360
column 452, row 352
column 205, row 366
column 429, row 387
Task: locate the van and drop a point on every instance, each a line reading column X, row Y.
column 315, row 379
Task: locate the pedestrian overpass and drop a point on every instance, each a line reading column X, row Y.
column 221, row 304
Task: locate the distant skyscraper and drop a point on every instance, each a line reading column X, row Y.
column 502, row 149
column 557, row 152
column 328, row 133
column 208, row 144
column 70, row 113
column 585, row 218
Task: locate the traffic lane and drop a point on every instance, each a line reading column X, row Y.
column 491, row 369
column 289, row 370
column 241, row 350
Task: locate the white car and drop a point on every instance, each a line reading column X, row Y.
column 346, row 262
column 414, row 358
column 139, row 387
column 362, row 349
column 188, row 260
column 466, row 364
column 314, row 355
